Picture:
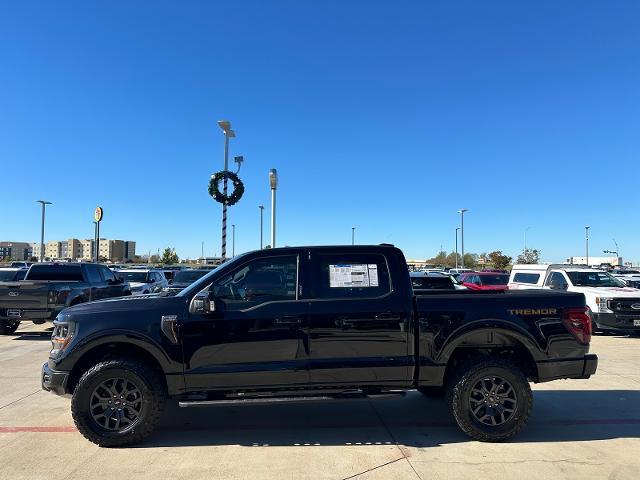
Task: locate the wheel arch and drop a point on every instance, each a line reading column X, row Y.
column 498, row 341
column 112, row 348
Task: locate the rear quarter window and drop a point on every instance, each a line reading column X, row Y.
column 531, row 278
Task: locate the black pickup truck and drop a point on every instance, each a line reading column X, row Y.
column 47, row 288
column 314, row 323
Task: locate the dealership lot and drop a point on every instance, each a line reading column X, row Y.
column 579, row 429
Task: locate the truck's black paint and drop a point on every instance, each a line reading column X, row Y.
column 395, row 341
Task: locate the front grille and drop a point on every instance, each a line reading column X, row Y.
column 625, row 305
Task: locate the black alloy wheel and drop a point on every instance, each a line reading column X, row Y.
column 116, row 404
column 493, row 401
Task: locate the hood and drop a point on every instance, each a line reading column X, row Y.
column 609, row 292
column 122, row 304
column 137, row 284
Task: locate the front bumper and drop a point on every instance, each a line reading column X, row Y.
column 618, row 322
column 574, row 368
column 53, row 380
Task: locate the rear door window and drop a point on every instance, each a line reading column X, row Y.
column 357, row 275
column 93, row 274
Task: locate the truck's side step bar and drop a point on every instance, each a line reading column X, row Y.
column 289, row 399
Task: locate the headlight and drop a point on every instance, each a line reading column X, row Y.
column 63, row 332
column 603, row 304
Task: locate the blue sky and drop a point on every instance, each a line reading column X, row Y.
column 387, row 116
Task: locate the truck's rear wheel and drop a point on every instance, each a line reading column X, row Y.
column 8, row 327
column 118, row 402
column 490, row 400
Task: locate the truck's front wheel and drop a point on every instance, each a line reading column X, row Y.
column 117, row 402
column 8, row 327
column 490, row 400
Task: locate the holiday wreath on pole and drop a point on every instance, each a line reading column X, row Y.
column 220, row 197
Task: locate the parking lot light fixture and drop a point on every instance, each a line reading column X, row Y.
column 353, row 235
column 44, row 203
column 458, row 228
column 273, row 182
column 461, row 212
column 586, row 238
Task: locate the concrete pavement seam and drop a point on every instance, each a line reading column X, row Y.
column 20, row 399
column 386, row 427
column 374, row 468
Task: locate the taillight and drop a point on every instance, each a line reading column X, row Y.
column 51, row 297
column 578, row 322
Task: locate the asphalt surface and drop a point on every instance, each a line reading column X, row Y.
column 580, row 429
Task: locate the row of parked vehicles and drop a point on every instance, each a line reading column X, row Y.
column 42, row 290
column 612, row 297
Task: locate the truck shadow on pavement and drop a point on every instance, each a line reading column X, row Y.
column 413, row 421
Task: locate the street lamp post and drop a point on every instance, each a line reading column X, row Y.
column 273, row 182
column 353, row 235
column 44, row 203
column 95, row 242
column 461, row 212
column 261, row 207
column 586, row 238
column 457, row 246
column 225, row 125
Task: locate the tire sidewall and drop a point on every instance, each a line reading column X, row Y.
column 462, row 410
column 82, row 397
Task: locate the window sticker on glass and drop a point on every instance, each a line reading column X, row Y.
column 352, row 275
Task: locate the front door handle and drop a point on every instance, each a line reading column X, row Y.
column 288, row 320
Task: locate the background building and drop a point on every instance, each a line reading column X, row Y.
column 74, row 249
column 15, row 250
column 596, row 261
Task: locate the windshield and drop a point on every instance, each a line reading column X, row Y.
column 8, row 275
column 594, row 279
column 494, row 279
column 140, row 277
column 188, row 276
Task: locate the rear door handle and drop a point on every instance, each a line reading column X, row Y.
column 288, row 320
column 387, row 316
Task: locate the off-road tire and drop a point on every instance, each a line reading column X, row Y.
column 8, row 328
column 433, row 392
column 459, row 392
column 145, row 378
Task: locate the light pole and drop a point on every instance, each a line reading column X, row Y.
column 461, row 212
column 95, row 242
column 353, row 235
column 202, row 250
column 225, row 125
column 261, row 207
column 273, row 182
column 457, row 246
column 44, row 203
column 586, row 238
column 233, row 240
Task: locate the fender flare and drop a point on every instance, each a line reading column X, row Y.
column 493, row 331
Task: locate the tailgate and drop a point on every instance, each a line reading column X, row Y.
column 23, row 295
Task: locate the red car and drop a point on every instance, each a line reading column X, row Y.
column 484, row 280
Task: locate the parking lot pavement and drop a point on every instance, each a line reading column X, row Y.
column 586, row 429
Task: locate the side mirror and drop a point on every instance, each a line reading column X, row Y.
column 203, row 303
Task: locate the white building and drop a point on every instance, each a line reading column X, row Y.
column 596, row 261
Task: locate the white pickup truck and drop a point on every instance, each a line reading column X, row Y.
column 614, row 306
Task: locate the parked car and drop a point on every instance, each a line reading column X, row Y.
column 629, row 276
column 21, row 264
column 48, row 288
column 144, row 281
column 485, row 281
column 613, row 305
column 10, row 274
column 313, row 323
column 183, row 279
